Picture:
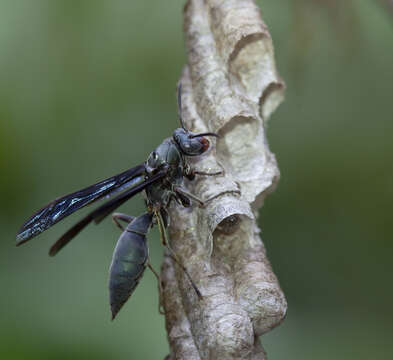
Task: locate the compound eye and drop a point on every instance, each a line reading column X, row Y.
column 205, row 144
column 155, row 156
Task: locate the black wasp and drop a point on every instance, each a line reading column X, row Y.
column 161, row 176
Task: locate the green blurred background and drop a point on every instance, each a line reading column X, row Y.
column 87, row 90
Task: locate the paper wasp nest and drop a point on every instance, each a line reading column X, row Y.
column 230, row 86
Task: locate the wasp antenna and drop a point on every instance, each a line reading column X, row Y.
column 179, row 107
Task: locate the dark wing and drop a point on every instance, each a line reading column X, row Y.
column 58, row 209
column 101, row 212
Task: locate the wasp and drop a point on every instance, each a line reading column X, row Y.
column 161, row 177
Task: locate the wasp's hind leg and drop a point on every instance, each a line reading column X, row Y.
column 160, row 290
column 173, row 255
column 123, row 217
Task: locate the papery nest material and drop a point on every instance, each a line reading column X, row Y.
column 230, row 86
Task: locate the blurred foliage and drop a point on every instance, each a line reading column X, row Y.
column 87, row 90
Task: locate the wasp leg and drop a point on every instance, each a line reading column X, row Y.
column 173, row 254
column 183, row 192
column 182, row 200
column 206, row 134
column 196, row 172
column 190, row 173
column 160, row 290
column 119, row 216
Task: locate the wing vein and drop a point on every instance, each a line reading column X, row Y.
column 101, row 212
column 64, row 206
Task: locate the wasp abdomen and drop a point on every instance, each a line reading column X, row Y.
column 128, row 262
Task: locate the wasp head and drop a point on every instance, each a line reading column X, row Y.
column 192, row 144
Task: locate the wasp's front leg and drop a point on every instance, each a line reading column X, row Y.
column 190, row 173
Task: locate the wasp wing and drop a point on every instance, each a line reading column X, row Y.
column 59, row 208
column 101, row 212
